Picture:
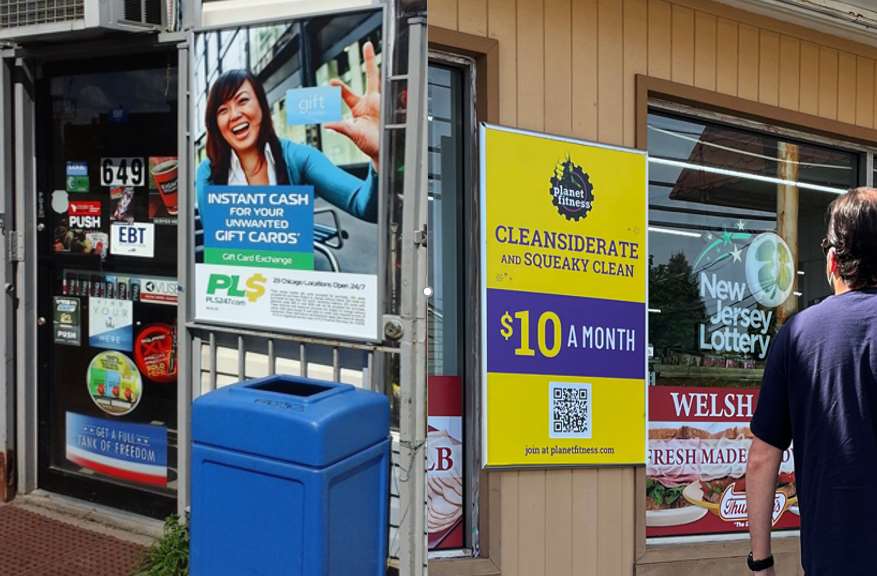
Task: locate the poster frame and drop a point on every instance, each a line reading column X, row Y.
column 388, row 48
column 483, row 127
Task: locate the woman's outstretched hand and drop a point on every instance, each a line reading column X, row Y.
column 364, row 127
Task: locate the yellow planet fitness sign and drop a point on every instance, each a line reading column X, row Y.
column 564, row 295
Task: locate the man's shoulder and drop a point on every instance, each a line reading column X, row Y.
column 834, row 308
column 837, row 319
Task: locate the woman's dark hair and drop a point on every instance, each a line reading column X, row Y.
column 852, row 232
column 218, row 150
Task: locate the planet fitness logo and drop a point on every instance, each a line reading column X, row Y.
column 571, row 191
column 770, row 272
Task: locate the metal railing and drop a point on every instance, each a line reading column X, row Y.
column 223, row 355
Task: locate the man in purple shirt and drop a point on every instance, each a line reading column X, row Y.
column 820, row 390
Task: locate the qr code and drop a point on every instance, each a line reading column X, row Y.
column 569, row 410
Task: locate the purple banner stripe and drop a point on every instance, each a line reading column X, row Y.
column 598, row 338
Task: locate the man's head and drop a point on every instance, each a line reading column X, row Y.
column 851, row 240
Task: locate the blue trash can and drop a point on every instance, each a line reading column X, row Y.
column 290, row 477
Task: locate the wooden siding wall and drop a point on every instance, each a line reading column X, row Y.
column 568, row 67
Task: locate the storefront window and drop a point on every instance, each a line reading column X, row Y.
column 735, row 222
column 445, row 486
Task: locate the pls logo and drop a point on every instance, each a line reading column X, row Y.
column 227, row 288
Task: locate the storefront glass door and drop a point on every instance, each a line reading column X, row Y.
column 106, row 221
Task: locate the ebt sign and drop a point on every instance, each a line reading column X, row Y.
column 738, row 325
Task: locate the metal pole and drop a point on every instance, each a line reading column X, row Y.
column 412, row 475
column 185, row 235
column 25, row 281
column 191, row 14
column 7, row 298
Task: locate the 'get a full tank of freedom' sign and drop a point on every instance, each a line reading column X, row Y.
column 564, row 272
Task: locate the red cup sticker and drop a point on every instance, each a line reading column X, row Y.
column 163, row 170
column 155, row 351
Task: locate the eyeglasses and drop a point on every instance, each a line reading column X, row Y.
column 826, row 245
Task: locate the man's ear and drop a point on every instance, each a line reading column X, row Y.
column 832, row 261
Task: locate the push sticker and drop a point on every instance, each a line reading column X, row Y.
column 114, row 383
column 79, row 232
column 111, row 324
column 84, row 214
column 67, row 324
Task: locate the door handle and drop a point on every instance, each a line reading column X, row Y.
column 41, row 321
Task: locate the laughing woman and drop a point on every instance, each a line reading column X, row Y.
column 243, row 148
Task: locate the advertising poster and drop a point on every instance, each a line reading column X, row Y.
column 286, row 179
column 444, row 475
column 132, row 452
column 111, row 323
column 564, row 287
column 114, row 383
column 67, row 321
column 696, row 471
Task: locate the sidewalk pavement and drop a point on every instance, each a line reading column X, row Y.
column 39, row 542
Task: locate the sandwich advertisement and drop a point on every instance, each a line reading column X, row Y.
column 444, row 476
column 696, row 471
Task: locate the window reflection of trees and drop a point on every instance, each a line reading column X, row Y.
column 674, row 291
